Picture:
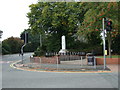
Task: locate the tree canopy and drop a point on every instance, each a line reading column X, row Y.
column 54, row 19
column 80, row 22
column 95, row 13
column 11, row 45
column 33, row 41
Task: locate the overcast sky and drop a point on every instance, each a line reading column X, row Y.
column 13, row 18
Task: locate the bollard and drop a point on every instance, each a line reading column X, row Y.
column 94, row 62
column 81, row 61
column 40, row 61
column 57, row 62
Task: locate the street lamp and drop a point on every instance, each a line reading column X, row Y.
column 24, row 37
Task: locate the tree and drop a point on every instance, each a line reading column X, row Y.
column 33, row 41
column 93, row 18
column 11, row 45
column 116, row 44
column 54, row 19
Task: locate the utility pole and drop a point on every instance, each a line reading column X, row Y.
column 104, row 44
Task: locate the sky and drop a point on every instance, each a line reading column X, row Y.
column 13, row 18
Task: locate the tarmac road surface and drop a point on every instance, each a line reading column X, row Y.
column 14, row 78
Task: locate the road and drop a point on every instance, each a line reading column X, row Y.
column 13, row 78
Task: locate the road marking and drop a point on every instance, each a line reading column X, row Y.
column 6, row 61
column 25, row 69
column 12, row 65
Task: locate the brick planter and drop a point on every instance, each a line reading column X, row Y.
column 51, row 60
column 100, row 61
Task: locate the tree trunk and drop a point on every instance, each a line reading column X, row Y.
column 109, row 43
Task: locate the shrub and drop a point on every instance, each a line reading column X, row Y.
column 39, row 52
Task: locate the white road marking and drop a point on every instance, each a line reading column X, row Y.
column 6, row 61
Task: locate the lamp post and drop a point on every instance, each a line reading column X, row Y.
column 25, row 42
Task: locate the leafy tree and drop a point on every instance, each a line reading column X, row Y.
column 93, row 20
column 11, row 45
column 33, row 41
column 93, row 16
column 54, row 19
column 116, row 44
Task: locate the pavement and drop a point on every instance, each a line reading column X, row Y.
column 114, row 67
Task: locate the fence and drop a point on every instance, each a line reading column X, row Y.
column 70, row 57
column 62, row 62
column 72, row 61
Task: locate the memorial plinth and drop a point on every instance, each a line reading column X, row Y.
column 63, row 50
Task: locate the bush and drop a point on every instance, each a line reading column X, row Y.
column 11, row 45
column 4, row 51
column 116, row 45
column 39, row 52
